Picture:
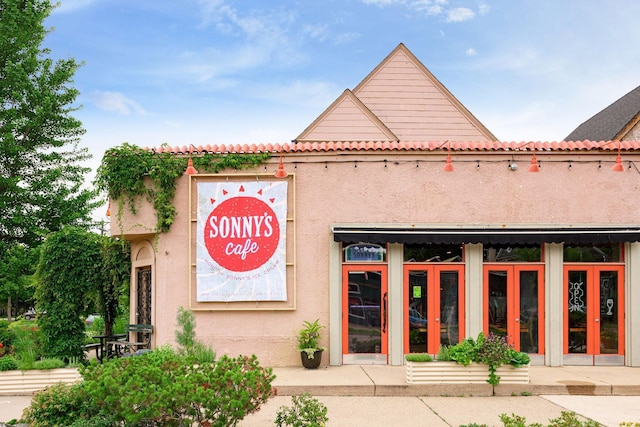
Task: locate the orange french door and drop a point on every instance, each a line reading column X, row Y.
column 365, row 305
column 514, row 304
column 434, row 306
column 593, row 309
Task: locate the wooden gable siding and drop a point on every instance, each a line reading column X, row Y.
column 347, row 119
column 631, row 132
column 414, row 105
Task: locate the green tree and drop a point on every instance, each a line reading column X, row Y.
column 69, row 264
column 113, row 279
column 17, row 266
column 41, row 182
column 78, row 270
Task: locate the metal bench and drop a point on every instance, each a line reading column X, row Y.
column 122, row 347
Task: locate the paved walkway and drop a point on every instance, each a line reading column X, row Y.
column 379, row 395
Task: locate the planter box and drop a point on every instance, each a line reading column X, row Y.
column 28, row 382
column 454, row 373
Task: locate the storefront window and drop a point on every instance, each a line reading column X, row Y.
column 600, row 253
column 433, row 253
column 503, row 253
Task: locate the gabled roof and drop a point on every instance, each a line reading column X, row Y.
column 348, row 115
column 613, row 123
column 403, row 96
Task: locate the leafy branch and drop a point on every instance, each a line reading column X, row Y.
column 128, row 172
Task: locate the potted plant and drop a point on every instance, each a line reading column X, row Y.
column 310, row 350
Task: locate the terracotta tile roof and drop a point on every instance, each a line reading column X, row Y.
column 334, row 146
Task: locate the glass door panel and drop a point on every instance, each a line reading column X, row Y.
column 576, row 329
column 365, row 305
column 433, row 312
column 449, row 308
column 594, row 310
column 514, row 303
column 417, row 310
column 497, row 303
column 529, row 306
column 609, row 313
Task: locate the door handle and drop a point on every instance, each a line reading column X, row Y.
column 437, row 319
column 384, row 313
column 597, row 320
column 517, row 319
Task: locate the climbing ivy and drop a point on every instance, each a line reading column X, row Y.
column 128, row 172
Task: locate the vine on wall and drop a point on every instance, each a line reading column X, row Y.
column 128, row 172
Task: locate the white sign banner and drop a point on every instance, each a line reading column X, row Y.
column 241, row 241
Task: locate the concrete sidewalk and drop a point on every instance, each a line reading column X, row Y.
column 378, row 395
column 382, row 380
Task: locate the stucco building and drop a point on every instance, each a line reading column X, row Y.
column 402, row 224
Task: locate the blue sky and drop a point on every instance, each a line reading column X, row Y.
column 217, row 71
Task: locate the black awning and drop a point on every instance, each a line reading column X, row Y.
column 496, row 236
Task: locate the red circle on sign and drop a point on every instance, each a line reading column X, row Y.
column 241, row 233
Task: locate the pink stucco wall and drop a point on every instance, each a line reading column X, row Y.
column 356, row 187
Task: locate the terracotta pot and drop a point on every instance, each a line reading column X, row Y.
column 309, row 363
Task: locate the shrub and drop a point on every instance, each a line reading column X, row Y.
column 188, row 344
column 306, row 411
column 8, row 363
column 49, row 363
column 6, row 334
column 566, row 419
column 419, row 357
column 65, row 405
column 26, row 342
column 164, row 388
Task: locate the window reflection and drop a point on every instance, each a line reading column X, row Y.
column 595, row 253
column 432, row 253
column 505, row 253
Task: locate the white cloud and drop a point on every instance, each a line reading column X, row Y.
column 345, row 38
column 471, row 52
column 483, row 9
column 117, row 103
column 459, row 14
column 431, row 7
column 318, row 32
column 382, row 2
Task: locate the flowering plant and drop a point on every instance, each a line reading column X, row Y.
column 492, row 350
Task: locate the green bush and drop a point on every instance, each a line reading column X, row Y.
column 419, row 357
column 163, row 388
column 26, row 342
column 6, row 334
column 65, row 405
column 49, row 363
column 188, row 345
column 8, row 363
column 68, row 270
column 566, row 419
column 306, row 411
